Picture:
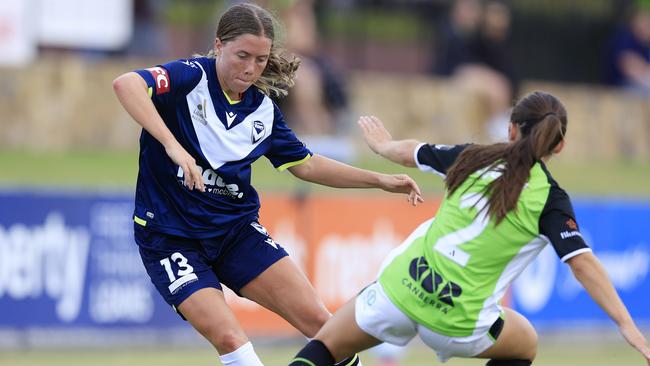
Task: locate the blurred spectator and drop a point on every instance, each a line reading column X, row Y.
column 628, row 51
column 146, row 39
column 317, row 107
column 474, row 52
column 456, row 35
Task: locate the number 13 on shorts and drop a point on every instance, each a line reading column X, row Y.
column 184, row 274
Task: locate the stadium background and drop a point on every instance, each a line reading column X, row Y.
column 68, row 160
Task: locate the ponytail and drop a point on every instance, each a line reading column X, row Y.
column 279, row 74
column 542, row 124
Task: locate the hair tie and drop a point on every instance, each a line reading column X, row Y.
column 548, row 114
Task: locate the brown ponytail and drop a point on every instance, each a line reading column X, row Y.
column 542, row 122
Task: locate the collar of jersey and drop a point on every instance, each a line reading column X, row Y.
column 230, row 101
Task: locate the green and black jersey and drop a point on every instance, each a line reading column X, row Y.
column 452, row 275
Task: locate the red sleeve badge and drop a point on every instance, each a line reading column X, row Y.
column 161, row 78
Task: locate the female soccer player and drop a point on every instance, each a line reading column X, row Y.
column 445, row 282
column 206, row 120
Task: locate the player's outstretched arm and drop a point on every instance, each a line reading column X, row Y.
column 131, row 91
column 590, row 273
column 381, row 142
column 328, row 172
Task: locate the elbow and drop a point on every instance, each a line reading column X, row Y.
column 118, row 84
column 583, row 264
column 406, row 159
column 124, row 82
column 301, row 171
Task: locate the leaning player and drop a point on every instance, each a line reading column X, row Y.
column 445, row 282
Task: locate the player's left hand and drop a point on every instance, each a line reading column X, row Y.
column 634, row 337
column 402, row 183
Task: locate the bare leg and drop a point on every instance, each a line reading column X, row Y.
column 518, row 340
column 284, row 289
column 342, row 335
column 209, row 314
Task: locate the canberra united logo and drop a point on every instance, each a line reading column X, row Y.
column 432, row 282
column 258, row 131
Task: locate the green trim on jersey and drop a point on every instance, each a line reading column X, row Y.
column 452, row 278
column 290, row 164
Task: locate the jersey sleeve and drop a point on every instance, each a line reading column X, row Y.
column 437, row 158
column 559, row 225
column 166, row 82
column 286, row 150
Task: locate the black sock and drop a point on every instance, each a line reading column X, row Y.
column 313, row 354
column 350, row 361
column 509, row 363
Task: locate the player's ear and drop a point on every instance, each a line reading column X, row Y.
column 217, row 46
column 558, row 147
column 513, row 131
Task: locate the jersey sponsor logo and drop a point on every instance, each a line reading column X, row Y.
column 432, row 283
column 569, row 234
column 214, row 184
column 200, row 114
column 571, row 224
column 230, row 118
column 258, row 131
column 161, row 78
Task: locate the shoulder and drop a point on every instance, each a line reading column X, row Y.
column 540, row 169
column 187, row 69
column 556, row 196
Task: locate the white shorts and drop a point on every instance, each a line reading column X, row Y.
column 378, row 316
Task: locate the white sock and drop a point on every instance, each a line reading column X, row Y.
column 242, row 356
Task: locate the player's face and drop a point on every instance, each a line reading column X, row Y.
column 241, row 61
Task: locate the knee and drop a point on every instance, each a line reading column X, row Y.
column 314, row 320
column 226, row 341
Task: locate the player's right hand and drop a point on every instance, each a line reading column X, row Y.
column 374, row 132
column 191, row 172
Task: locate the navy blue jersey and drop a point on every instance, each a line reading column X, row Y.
column 557, row 222
column 224, row 138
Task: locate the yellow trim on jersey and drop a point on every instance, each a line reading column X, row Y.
column 139, row 221
column 150, row 91
column 293, row 163
column 228, row 98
